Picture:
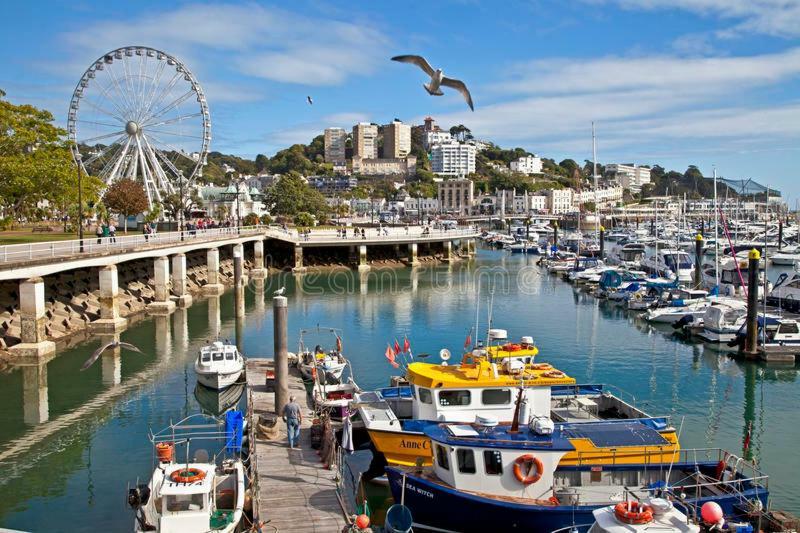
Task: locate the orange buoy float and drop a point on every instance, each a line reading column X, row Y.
column 187, row 475
column 530, row 476
column 632, row 512
column 165, row 451
column 362, row 521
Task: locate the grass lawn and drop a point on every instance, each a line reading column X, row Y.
column 25, row 236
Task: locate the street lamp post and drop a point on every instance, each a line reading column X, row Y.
column 80, row 199
column 182, row 207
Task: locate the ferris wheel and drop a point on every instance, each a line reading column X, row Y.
column 139, row 113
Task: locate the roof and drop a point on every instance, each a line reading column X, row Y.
column 615, row 434
column 498, row 437
column 478, row 375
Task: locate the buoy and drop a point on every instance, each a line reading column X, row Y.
column 711, row 512
column 165, row 452
column 362, row 521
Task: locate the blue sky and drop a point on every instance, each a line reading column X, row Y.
column 675, row 82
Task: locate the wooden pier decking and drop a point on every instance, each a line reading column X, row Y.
column 295, row 492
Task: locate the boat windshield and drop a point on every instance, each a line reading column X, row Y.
column 682, row 261
column 230, row 356
column 205, row 357
column 176, row 503
column 217, row 356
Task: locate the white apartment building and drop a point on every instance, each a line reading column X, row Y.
column 406, row 166
column 604, row 197
column 559, row 201
column 421, row 205
column 631, row 177
column 435, row 137
column 453, row 159
column 396, row 140
column 456, row 196
column 365, row 140
column 335, row 139
column 529, row 164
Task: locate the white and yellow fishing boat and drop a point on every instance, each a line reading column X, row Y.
column 486, row 386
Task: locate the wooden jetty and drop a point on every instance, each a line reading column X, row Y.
column 293, row 490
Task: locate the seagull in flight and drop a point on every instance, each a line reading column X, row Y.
column 111, row 345
column 437, row 78
column 310, row 101
column 280, row 292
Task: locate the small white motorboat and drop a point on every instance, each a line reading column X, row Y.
column 219, row 365
column 192, row 496
column 785, row 258
column 335, row 398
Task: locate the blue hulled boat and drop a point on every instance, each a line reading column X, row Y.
column 501, row 478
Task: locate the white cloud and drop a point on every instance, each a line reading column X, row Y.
column 779, row 18
column 253, row 40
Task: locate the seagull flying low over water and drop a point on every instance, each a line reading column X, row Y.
column 310, row 101
column 437, row 78
column 113, row 344
column 280, row 292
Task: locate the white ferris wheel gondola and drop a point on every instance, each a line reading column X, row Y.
column 139, row 113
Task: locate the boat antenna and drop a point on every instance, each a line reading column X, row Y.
column 489, row 312
column 672, row 462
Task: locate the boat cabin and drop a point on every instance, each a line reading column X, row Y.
column 185, row 506
column 217, row 352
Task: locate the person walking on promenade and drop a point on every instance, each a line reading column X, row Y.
column 293, row 416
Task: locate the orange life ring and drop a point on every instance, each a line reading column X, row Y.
column 632, row 512
column 512, row 347
column 541, row 366
column 554, row 374
column 187, row 475
column 528, row 460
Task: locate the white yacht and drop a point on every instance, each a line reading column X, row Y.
column 653, row 514
column 628, row 255
column 786, row 292
column 219, row 365
column 683, row 302
column 733, row 275
column 723, row 319
column 785, row 258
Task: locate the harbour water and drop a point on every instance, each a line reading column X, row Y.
column 67, row 453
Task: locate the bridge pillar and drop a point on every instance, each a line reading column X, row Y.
column 258, row 271
column 298, row 260
column 213, row 287
column 363, row 264
column 179, row 281
column 238, row 252
column 110, row 320
column 412, row 254
column 162, row 305
column 32, row 318
column 35, row 403
column 471, row 246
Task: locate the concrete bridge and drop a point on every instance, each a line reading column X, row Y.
column 30, row 264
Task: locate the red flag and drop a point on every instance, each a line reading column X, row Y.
column 396, row 346
column 406, row 345
column 390, row 355
column 468, row 341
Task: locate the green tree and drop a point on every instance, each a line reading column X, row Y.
column 250, row 219
column 125, row 197
column 262, row 162
column 291, row 195
column 303, row 220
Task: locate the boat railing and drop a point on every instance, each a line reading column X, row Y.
column 189, row 430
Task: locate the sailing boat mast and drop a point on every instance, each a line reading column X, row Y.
column 594, row 175
column 716, row 232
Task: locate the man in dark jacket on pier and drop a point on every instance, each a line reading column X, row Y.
column 293, row 416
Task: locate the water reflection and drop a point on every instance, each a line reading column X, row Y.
column 36, row 407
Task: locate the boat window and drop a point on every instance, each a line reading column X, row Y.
column 789, row 327
column 466, row 461
column 217, row 356
column 454, row 397
column 496, row 397
column 493, row 462
column 205, row 357
column 794, row 285
column 441, row 457
column 183, row 502
column 230, row 356
column 425, row 395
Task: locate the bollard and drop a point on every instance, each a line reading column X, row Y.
column 751, row 341
column 780, row 235
column 698, row 260
column 602, row 242
column 281, row 345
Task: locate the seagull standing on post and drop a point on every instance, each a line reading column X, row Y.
column 438, row 78
column 280, row 292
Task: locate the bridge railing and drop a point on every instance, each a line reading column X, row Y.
column 16, row 253
column 387, row 234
